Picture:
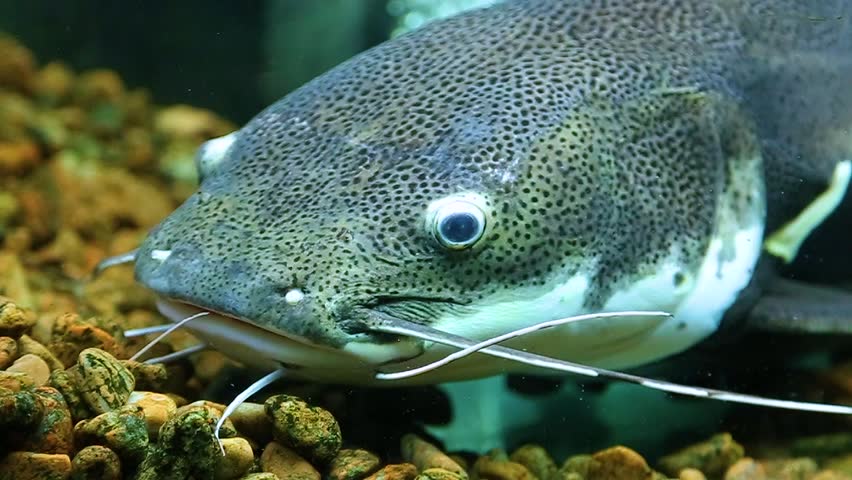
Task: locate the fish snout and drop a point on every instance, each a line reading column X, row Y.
column 184, row 273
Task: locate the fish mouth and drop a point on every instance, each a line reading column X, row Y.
column 268, row 348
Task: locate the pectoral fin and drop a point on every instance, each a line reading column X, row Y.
column 785, row 242
column 796, row 307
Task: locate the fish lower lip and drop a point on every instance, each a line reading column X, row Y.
column 253, row 345
column 259, row 347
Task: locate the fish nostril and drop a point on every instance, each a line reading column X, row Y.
column 294, row 296
column 160, row 255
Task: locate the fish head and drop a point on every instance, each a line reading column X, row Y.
column 472, row 190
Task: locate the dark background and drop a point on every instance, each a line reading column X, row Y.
column 234, row 57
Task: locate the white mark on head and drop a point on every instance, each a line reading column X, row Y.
column 160, row 255
column 294, row 296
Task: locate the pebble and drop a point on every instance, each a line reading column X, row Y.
column 32, row 366
column 396, row 471
column 214, row 411
column 260, row 476
column 691, row 474
column 156, row 407
column 829, row 475
column 537, row 461
column 96, row 462
column 312, row 431
column 250, row 420
column 438, row 474
column 286, row 464
column 238, row 459
column 55, row 432
column 148, row 376
column 15, row 382
column 123, row 431
column 27, row 344
column 353, row 464
column 104, row 383
column 491, row 467
column 842, row 464
column 745, row 469
column 20, row 410
column 35, row 466
column 790, row 469
column 14, row 321
column 189, row 430
column 8, row 351
column 424, row 455
column 823, row 445
column 62, row 381
column 713, row 457
column 74, row 336
column 619, row 463
column 576, row 465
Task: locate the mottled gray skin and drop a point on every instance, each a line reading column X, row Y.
column 594, row 128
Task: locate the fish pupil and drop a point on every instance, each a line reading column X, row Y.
column 459, row 228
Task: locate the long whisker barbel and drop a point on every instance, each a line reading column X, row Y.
column 166, row 333
column 128, row 257
column 513, row 334
column 141, row 332
column 393, row 325
column 255, row 387
column 171, row 357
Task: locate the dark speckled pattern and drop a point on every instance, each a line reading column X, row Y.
column 593, row 128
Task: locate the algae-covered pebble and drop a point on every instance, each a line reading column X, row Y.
column 745, row 469
column 491, row 467
column 14, row 321
column 54, row 433
column 576, row 465
column 312, row 431
column 214, row 411
column 8, row 351
column 823, row 445
column 15, row 382
column 536, row 459
column 72, row 335
column 17, row 64
column 20, row 411
column 104, row 383
column 238, row 459
column 619, row 463
column 123, row 430
column 438, row 474
column 157, row 408
column 790, row 468
column 713, row 457
column 286, row 464
column 842, row 464
column 260, row 476
column 424, row 455
column 186, row 447
column 353, row 464
column 32, row 366
column 35, row 466
column 148, row 376
column 96, row 462
column 62, row 381
column 395, row 471
column 53, row 82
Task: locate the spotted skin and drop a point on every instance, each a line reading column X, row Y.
column 616, row 130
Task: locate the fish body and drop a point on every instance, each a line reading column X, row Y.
column 512, row 165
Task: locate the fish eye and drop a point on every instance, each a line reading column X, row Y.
column 457, row 223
